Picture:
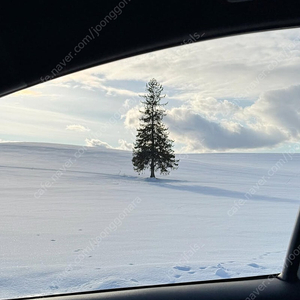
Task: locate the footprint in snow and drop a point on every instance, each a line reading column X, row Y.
column 134, row 280
column 77, row 250
column 191, row 272
column 54, row 287
column 265, row 254
column 202, row 268
column 182, row 268
column 222, row 273
column 177, row 276
column 254, row 265
column 52, row 240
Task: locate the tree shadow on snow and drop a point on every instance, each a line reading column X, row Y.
column 219, row 192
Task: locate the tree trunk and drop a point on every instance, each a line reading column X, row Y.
column 152, row 146
column 152, row 171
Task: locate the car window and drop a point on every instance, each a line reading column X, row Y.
column 218, row 124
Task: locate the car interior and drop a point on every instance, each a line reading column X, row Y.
column 41, row 41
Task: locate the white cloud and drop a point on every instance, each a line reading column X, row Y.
column 201, row 135
column 132, row 116
column 124, row 145
column 207, row 124
column 213, row 109
column 97, row 143
column 4, row 141
column 278, row 108
column 90, row 80
column 78, row 128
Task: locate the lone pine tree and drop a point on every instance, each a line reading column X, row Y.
column 153, row 148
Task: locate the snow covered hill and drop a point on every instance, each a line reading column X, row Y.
column 78, row 219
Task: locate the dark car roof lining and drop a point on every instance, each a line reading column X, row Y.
column 36, row 35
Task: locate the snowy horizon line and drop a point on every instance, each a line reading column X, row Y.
column 103, row 147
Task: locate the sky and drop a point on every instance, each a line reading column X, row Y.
column 234, row 94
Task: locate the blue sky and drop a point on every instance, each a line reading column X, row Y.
column 235, row 94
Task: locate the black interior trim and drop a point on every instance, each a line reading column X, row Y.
column 36, row 35
column 292, row 261
column 266, row 287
